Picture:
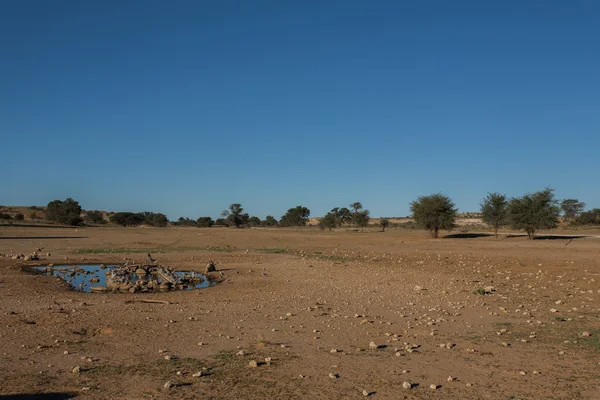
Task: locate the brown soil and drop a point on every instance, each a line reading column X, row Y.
column 294, row 296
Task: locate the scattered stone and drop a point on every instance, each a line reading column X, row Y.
column 433, row 386
column 198, row 374
column 253, row 364
column 407, row 385
column 168, row 385
column 373, row 346
column 450, row 379
column 76, row 370
column 240, row 353
column 586, row 334
column 333, row 376
column 365, row 393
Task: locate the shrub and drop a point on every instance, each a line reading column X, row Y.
column 297, row 216
column 329, row 221
column 94, row 217
column 384, row 223
column 591, row 217
column 205, row 222
column 5, row 216
column 269, row 221
column 19, row 217
column 64, row 212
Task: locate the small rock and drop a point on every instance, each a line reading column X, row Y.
column 586, row 334
column 198, row 374
column 450, row 379
column 168, row 385
column 240, row 353
column 333, row 376
column 433, row 386
column 373, row 346
column 365, row 393
column 406, row 385
column 76, row 370
column 253, row 364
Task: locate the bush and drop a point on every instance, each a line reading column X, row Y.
column 127, row 219
column 254, row 221
column 5, row 216
column 269, row 221
column 19, row 217
column 297, row 216
column 64, row 212
column 329, row 221
column 94, row 217
column 384, row 223
column 205, row 222
column 591, row 217
column 185, row 222
column 434, row 212
column 221, row 221
column 533, row 212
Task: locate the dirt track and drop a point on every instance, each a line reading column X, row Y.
column 295, row 296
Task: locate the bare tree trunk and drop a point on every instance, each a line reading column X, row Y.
column 496, row 231
column 435, row 232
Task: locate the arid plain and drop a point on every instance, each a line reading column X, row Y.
column 324, row 315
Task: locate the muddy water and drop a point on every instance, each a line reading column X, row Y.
column 85, row 277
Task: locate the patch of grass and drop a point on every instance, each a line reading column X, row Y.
column 274, row 250
column 152, row 250
column 224, row 355
column 480, row 291
column 119, row 250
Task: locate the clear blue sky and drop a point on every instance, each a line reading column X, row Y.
column 184, row 107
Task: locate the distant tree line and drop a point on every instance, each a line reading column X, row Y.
column 530, row 213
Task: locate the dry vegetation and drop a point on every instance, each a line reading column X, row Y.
column 324, row 314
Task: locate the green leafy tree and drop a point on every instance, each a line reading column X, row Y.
column 571, row 208
column 494, row 210
column 297, row 216
column 5, row 216
column 235, row 215
column 384, row 223
column 221, row 222
column 205, row 222
column 329, row 221
column 434, row 213
column 269, row 221
column 64, row 212
column 534, row 211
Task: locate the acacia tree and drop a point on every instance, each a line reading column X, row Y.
column 342, row 215
column 534, row 211
column 571, row 208
column 434, row 212
column 384, row 223
column 329, row 221
column 235, row 215
column 494, row 210
column 297, row 216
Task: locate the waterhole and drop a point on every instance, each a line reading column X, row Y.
column 114, row 278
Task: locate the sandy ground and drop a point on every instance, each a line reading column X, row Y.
column 339, row 314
